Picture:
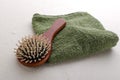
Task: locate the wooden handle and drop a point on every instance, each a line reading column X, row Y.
column 55, row 28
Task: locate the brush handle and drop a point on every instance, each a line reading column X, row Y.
column 54, row 29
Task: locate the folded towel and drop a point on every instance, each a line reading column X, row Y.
column 83, row 35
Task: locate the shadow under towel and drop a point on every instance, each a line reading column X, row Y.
column 83, row 35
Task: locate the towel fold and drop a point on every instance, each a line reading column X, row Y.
column 83, row 35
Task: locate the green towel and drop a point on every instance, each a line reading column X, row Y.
column 83, row 35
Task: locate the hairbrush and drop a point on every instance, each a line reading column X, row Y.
column 35, row 50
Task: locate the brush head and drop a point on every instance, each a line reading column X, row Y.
column 33, row 50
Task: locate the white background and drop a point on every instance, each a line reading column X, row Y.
column 15, row 23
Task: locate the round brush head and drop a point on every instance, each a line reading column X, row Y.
column 32, row 50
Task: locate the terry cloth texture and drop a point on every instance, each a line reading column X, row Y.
column 83, row 35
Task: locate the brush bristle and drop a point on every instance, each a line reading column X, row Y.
column 33, row 49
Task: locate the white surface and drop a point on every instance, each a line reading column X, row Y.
column 15, row 23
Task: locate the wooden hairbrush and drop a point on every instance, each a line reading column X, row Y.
column 35, row 50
